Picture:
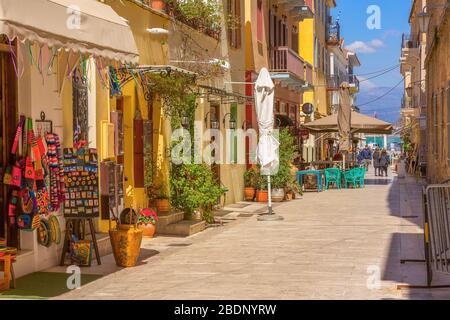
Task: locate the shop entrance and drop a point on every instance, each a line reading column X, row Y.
column 8, row 121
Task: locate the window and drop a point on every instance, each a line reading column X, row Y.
column 234, row 31
column 259, row 21
column 294, row 40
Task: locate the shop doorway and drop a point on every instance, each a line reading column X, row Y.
column 8, row 121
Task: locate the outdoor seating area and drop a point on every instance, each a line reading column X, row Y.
column 334, row 178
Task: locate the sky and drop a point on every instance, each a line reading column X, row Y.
column 377, row 49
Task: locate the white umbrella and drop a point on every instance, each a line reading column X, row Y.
column 268, row 145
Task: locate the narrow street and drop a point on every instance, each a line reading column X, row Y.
column 332, row 245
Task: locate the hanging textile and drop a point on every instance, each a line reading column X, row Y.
column 56, row 171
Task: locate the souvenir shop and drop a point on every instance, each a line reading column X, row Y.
column 54, row 78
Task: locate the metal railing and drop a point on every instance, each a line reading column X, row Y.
column 333, row 31
column 408, row 42
column 335, row 81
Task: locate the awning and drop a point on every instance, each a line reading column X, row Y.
column 84, row 26
column 359, row 124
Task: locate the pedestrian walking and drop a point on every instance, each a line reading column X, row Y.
column 366, row 155
column 384, row 163
column 376, row 161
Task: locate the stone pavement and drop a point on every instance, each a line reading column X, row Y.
column 338, row 244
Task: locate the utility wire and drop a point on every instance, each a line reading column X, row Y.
column 379, row 75
column 384, row 95
column 379, row 71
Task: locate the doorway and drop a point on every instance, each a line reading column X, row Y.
column 8, row 121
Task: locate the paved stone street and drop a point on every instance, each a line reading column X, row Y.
column 331, row 245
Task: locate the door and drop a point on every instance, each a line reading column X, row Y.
column 8, row 121
column 215, row 116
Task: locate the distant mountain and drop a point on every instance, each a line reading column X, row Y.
column 387, row 108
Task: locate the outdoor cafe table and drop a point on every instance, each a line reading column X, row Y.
column 318, row 173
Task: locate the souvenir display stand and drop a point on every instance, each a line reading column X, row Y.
column 81, row 205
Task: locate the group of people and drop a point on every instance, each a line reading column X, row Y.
column 380, row 158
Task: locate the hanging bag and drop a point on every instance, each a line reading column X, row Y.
column 13, row 173
column 29, row 166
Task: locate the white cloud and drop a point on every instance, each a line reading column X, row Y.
column 377, row 43
column 366, row 47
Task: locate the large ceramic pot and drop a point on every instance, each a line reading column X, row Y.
column 162, row 205
column 249, row 194
column 278, row 195
column 262, row 196
column 126, row 244
column 148, row 230
column 158, row 5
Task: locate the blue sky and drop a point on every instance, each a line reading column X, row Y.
column 377, row 49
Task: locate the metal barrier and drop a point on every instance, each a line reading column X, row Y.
column 436, row 209
column 438, row 237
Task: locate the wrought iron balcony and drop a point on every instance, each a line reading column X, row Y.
column 354, row 83
column 334, row 82
column 286, row 60
column 333, row 32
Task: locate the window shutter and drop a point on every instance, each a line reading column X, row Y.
column 435, row 133
column 238, row 30
column 259, row 21
column 138, row 153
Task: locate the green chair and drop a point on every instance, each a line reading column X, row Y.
column 351, row 177
column 333, row 175
column 361, row 174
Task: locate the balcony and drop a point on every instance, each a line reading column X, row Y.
column 206, row 25
column 297, row 9
column 333, row 32
column 289, row 69
column 334, row 82
column 285, row 60
column 354, row 83
column 410, row 53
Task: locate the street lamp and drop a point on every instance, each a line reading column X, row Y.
column 424, row 17
column 424, row 21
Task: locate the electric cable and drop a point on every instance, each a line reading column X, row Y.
column 382, row 96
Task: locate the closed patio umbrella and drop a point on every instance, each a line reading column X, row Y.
column 268, row 145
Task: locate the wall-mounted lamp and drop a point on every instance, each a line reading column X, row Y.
column 185, row 121
column 247, row 125
column 232, row 121
column 409, row 91
column 214, row 124
column 424, row 21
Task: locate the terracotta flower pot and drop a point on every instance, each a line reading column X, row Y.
column 162, row 205
column 249, row 194
column 262, row 196
column 289, row 196
column 158, row 5
column 147, row 229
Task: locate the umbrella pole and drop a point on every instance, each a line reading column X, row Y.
column 269, row 190
column 271, row 216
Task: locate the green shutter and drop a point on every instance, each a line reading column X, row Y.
column 234, row 156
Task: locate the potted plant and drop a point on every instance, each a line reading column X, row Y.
column 158, row 5
column 162, row 201
column 147, row 222
column 250, row 182
column 262, row 195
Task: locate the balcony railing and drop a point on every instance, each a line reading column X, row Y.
column 284, row 59
column 198, row 23
column 334, row 82
column 408, row 42
column 333, row 32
